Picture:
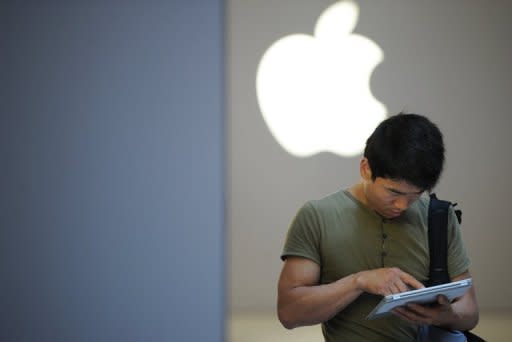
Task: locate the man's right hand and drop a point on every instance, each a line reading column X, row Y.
column 385, row 281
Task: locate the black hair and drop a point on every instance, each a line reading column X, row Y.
column 406, row 147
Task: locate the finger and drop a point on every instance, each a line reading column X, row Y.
column 400, row 313
column 402, row 287
column 407, row 314
column 443, row 300
column 396, row 288
column 419, row 310
column 419, row 314
column 409, row 279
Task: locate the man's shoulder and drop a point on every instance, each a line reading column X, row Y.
column 333, row 206
column 422, row 203
column 335, row 200
column 418, row 211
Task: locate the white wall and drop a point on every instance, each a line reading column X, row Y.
column 449, row 60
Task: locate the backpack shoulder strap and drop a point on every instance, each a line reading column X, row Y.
column 438, row 241
column 438, row 246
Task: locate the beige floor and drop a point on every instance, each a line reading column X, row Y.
column 264, row 327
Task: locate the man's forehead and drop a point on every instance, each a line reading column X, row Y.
column 399, row 185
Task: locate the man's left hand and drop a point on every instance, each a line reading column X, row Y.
column 440, row 313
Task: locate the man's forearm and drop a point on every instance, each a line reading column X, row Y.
column 308, row 305
column 465, row 310
column 465, row 316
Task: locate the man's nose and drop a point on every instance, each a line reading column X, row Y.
column 401, row 203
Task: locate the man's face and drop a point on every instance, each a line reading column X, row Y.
column 389, row 197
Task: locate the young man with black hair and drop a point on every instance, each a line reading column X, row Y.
column 347, row 250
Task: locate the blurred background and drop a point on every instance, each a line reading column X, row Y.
column 447, row 60
column 143, row 196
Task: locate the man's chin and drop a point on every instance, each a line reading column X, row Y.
column 392, row 214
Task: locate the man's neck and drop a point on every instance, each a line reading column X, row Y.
column 357, row 190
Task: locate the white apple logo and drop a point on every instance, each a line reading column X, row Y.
column 314, row 92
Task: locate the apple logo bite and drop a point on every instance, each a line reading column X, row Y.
column 314, row 91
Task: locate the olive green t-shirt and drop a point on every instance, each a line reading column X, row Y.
column 344, row 237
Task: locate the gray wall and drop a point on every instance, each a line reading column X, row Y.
column 449, row 60
column 111, row 201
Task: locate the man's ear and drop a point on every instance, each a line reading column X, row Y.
column 365, row 170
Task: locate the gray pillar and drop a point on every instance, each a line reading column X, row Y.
column 111, row 171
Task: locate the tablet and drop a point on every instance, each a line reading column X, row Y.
column 421, row 296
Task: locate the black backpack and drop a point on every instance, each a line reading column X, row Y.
column 438, row 246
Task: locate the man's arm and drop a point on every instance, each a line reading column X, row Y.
column 459, row 315
column 302, row 301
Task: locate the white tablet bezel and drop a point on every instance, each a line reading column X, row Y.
column 421, row 296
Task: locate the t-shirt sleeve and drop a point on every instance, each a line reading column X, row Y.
column 458, row 260
column 303, row 238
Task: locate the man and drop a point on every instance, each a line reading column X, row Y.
column 347, row 250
